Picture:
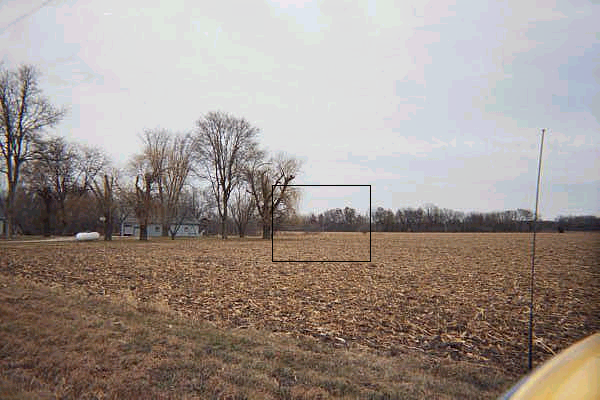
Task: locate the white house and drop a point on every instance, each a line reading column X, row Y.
column 188, row 228
column 127, row 227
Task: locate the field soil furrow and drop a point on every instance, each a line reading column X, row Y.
column 460, row 296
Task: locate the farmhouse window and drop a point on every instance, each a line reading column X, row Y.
column 157, row 228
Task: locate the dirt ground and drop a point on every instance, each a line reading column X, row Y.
column 462, row 298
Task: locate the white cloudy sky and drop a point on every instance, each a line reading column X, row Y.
column 429, row 102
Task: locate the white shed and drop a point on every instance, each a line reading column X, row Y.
column 188, row 228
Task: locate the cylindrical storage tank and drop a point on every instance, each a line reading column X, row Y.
column 83, row 236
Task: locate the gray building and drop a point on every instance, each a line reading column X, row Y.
column 188, row 228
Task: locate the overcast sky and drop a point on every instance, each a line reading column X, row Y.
column 429, row 102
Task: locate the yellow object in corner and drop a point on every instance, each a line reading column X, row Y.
column 574, row 374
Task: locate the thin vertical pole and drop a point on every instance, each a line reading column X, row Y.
column 535, row 217
column 370, row 227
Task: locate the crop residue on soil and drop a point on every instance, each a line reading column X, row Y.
column 463, row 296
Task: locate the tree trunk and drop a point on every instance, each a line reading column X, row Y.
column 143, row 232
column 266, row 231
column 108, row 228
column 224, row 219
column 62, row 218
column 9, row 225
column 46, row 217
column 10, row 219
column 241, row 228
column 224, row 224
column 223, row 228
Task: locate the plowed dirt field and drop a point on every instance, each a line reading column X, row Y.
column 458, row 296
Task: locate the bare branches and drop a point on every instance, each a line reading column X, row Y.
column 242, row 208
column 179, row 164
column 24, row 113
column 222, row 146
column 91, row 162
column 51, row 176
column 143, row 205
column 155, row 149
column 162, row 170
column 269, row 185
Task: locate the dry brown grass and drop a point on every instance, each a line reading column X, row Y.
column 433, row 315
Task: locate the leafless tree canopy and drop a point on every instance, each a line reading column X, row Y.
column 179, row 163
column 242, row 208
column 53, row 174
column 91, row 163
column 182, row 210
column 60, row 179
column 162, row 171
column 96, row 175
column 104, row 191
column 223, row 145
column 269, row 185
column 141, row 198
column 168, row 156
column 24, row 113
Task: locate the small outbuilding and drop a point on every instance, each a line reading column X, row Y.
column 187, row 228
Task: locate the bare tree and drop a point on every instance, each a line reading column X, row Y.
column 55, row 157
column 91, row 162
column 223, row 145
column 179, row 165
column 203, row 203
column 269, row 185
column 163, row 167
column 2, row 203
column 38, row 182
column 104, row 193
column 183, row 209
column 203, row 207
column 124, row 201
column 143, row 207
column 169, row 157
column 50, row 175
column 145, row 180
column 24, row 113
column 242, row 208
column 94, row 174
column 154, row 155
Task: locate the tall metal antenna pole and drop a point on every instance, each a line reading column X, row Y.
column 535, row 217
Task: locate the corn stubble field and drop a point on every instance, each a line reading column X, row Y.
column 431, row 316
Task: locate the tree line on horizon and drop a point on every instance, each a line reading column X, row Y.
column 431, row 218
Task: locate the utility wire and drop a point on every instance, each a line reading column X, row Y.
column 22, row 17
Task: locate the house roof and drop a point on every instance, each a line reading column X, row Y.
column 189, row 221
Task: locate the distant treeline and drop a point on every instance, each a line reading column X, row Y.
column 434, row 219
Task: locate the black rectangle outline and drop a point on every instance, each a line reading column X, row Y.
column 308, row 261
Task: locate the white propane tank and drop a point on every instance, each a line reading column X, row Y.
column 84, row 236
